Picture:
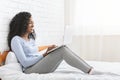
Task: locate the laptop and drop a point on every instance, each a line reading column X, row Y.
column 66, row 40
column 55, row 48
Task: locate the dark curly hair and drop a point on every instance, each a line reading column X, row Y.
column 18, row 26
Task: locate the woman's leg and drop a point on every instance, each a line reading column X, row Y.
column 52, row 61
column 72, row 59
column 47, row 64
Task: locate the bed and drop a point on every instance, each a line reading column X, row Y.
column 111, row 71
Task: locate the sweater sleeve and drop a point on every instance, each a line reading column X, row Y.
column 22, row 58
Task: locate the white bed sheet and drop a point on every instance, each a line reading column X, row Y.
column 66, row 72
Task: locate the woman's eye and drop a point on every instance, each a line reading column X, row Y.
column 30, row 22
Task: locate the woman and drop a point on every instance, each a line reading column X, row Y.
column 21, row 40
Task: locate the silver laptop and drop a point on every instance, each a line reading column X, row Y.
column 55, row 48
column 67, row 39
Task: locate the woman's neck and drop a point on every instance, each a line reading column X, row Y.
column 25, row 36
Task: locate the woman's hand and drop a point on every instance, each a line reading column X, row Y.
column 49, row 48
column 45, row 54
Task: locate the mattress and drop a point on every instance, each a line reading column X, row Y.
column 111, row 71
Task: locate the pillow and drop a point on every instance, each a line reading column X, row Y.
column 10, row 72
column 11, row 58
column 11, row 67
column 12, row 62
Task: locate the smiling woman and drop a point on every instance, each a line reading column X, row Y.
column 22, row 42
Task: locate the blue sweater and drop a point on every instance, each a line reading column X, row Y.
column 25, row 51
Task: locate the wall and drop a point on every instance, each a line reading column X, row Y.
column 48, row 16
column 90, row 18
column 95, row 47
column 95, row 42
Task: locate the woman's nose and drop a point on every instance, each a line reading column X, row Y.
column 32, row 25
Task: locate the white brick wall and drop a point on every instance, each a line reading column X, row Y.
column 48, row 16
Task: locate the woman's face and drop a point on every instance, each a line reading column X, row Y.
column 30, row 26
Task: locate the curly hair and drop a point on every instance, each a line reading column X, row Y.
column 18, row 26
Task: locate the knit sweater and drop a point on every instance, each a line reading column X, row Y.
column 25, row 51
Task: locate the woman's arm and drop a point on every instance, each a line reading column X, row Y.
column 23, row 59
column 49, row 47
